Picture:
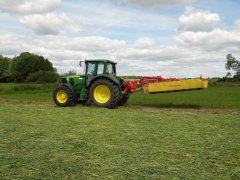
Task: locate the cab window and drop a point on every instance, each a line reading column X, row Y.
column 100, row 68
column 91, row 69
column 109, row 68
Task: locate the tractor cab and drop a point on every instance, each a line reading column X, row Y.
column 97, row 68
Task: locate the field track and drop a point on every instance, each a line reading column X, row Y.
column 142, row 108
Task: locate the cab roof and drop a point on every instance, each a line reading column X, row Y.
column 100, row 60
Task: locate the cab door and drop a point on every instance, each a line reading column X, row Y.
column 94, row 69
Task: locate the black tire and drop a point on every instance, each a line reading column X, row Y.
column 69, row 99
column 123, row 99
column 114, row 93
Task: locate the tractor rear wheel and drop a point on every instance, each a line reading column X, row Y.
column 123, row 99
column 104, row 93
column 63, row 96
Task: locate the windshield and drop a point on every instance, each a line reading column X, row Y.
column 100, row 68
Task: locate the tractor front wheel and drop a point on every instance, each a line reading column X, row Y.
column 63, row 96
column 104, row 93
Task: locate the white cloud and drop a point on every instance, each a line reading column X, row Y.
column 237, row 24
column 144, row 42
column 12, row 45
column 155, row 3
column 93, row 44
column 191, row 52
column 180, row 60
column 215, row 40
column 194, row 54
column 50, row 23
column 61, row 50
column 118, row 17
column 28, row 6
column 197, row 20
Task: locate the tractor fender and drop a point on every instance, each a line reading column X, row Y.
column 68, row 86
column 111, row 79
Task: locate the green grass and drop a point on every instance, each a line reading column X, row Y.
column 14, row 88
column 46, row 142
column 198, row 138
column 25, row 93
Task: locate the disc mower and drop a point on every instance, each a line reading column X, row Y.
column 101, row 85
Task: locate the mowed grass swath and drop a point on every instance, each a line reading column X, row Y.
column 47, row 142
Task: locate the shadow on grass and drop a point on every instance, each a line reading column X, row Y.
column 168, row 105
column 176, row 106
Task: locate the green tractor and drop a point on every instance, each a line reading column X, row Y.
column 100, row 85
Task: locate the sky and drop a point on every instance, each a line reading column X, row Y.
column 171, row 38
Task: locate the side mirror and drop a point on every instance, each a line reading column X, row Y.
column 80, row 63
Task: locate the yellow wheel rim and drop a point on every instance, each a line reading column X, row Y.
column 102, row 94
column 62, row 96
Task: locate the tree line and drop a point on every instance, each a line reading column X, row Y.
column 27, row 67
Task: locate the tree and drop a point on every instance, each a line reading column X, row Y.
column 43, row 77
column 26, row 64
column 234, row 65
column 70, row 73
column 4, row 68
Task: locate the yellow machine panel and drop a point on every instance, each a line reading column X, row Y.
column 181, row 85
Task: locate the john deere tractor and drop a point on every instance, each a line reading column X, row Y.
column 103, row 88
column 99, row 84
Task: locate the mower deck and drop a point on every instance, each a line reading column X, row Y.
column 180, row 85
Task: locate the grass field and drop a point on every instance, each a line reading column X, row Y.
column 188, row 135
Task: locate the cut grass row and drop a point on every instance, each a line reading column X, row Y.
column 40, row 142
